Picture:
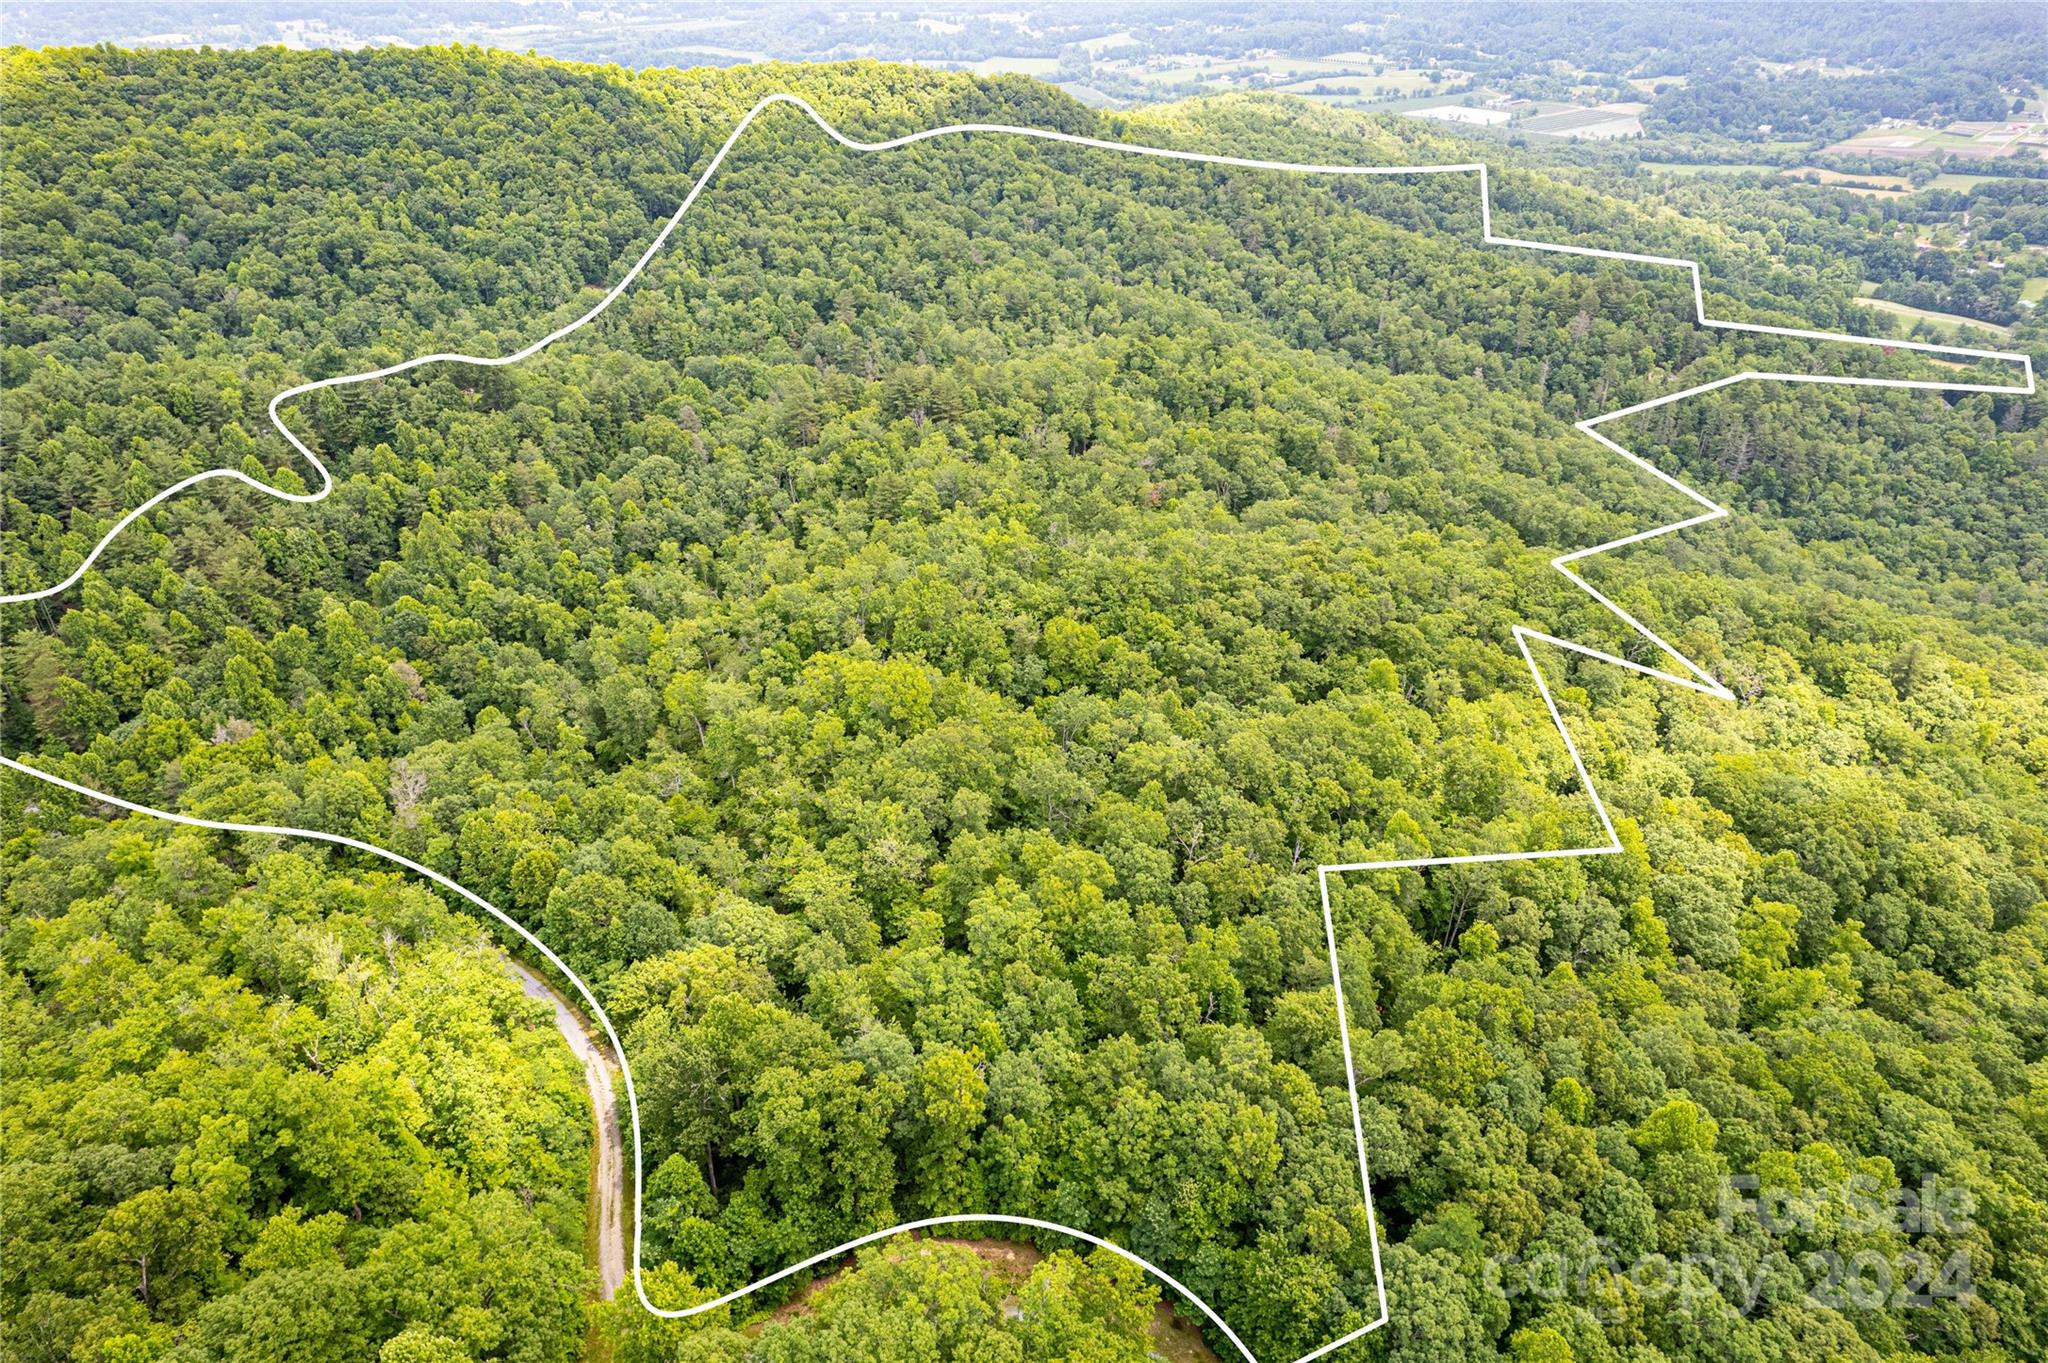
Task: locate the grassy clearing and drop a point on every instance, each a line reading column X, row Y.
column 1107, row 41
column 1965, row 183
column 1945, row 324
column 1898, row 184
column 1569, row 121
column 1173, row 1337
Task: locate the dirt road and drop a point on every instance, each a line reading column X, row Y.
column 608, row 1183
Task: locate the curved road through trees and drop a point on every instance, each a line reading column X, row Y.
column 607, row 1188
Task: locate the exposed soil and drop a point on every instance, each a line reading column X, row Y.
column 1174, row 1338
column 607, row 1177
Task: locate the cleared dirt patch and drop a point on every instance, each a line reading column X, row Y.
column 1175, row 1339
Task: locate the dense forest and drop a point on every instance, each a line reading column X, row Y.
column 256, row 1109
column 1821, row 106
column 1971, row 252
column 910, row 657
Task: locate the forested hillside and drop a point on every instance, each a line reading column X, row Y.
column 256, row 1108
column 910, row 657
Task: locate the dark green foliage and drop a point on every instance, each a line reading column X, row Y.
column 911, row 657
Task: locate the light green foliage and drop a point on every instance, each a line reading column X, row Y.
column 910, row 658
column 291, row 1120
column 927, row 1301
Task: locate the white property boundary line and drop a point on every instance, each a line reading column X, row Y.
column 1694, row 679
